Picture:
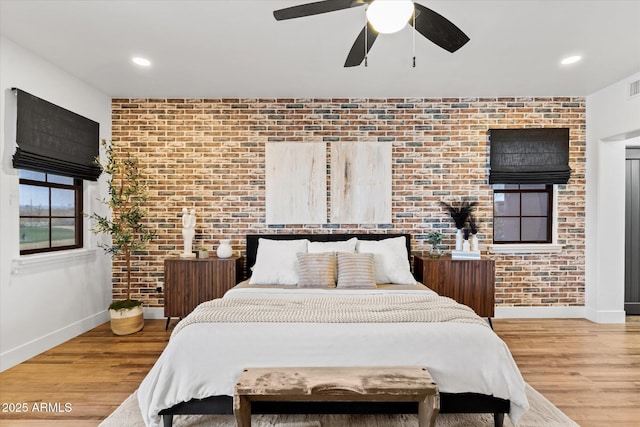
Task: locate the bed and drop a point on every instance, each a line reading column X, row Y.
column 202, row 361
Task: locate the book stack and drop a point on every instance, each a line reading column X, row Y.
column 465, row 255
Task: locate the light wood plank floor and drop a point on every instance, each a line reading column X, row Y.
column 590, row 371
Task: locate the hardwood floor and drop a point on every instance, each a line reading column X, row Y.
column 94, row 372
column 590, row 371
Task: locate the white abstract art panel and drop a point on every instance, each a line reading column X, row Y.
column 296, row 182
column 361, row 183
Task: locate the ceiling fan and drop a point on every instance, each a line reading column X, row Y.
column 430, row 24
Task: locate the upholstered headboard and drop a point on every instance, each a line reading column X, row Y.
column 252, row 242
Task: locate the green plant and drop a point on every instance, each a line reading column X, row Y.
column 127, row 196
column 124, row 304
column 203, row 249
column 435, row 238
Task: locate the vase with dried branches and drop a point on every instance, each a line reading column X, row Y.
column 125, row 225
column 460, row 213
column 473, row 229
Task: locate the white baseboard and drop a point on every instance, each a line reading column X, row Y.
column 605, row 316
column 540, row 312
column 28, row 350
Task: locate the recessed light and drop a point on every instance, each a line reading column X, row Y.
column 571, row 59
column 143, row 62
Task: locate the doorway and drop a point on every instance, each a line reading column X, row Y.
column 632, row 234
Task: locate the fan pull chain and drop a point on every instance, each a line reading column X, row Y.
column 366, row 38
column 414, row 37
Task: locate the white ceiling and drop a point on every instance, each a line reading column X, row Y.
column 223, row 48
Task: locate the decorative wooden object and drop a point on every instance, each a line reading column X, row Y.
column 188, row 282
column 337, row 384
column 470, row 282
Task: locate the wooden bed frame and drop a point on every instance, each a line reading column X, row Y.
column 449, row 402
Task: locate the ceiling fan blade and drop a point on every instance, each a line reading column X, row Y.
column 357, row 54
column 315, row 8
column 439, row 29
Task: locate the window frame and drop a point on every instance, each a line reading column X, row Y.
column 550, row 223
column 77, row 188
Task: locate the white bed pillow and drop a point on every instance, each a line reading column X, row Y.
column 390, row 258
column 347, row 246
column 277, row 262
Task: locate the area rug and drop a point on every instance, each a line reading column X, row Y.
column 541, row 413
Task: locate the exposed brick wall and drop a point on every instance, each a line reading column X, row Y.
column 208, row 154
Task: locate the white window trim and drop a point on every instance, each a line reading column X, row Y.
column 48, row 260
column 534, row 248
column 537, row 248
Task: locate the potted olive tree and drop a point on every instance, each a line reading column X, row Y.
column 127, row 196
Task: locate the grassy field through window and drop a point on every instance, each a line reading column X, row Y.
column 37, row 236
column 50, row 216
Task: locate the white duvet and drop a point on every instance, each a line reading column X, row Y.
column 206, row 359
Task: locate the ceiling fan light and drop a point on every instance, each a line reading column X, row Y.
column 571, row 59
column 143, row 62
column 389, row 16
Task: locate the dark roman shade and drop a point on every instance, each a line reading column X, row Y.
column 54, row 140
column 529, row 156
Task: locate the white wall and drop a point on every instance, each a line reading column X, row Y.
column 46, row 299
column 612, row 117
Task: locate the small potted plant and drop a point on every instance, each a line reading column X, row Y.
column 127, row 195
column 435, row 238
column 203, row 252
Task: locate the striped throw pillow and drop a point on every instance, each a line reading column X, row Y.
column 356, row 271
column 317, row 270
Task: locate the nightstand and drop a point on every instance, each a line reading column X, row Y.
column 191, row 281
column 469, row 282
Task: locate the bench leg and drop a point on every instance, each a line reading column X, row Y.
column 242, row 411
column 167, row 420
column 428, row 411
column 498, row 419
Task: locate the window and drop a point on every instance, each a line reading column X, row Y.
column 522, row 213
column 50, row 212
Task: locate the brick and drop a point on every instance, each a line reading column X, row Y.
column 208, row 154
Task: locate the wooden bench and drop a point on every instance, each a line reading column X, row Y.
column 337, row 384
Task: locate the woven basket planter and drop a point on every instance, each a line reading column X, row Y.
column 127, row 321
